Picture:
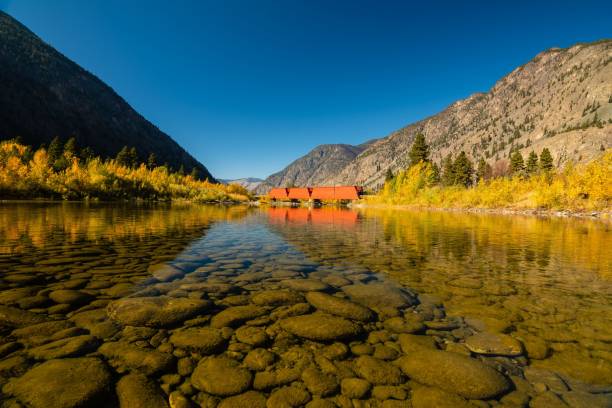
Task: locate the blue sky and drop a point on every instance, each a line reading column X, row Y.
column 248, row 86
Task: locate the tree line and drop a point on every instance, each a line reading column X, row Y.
column 61, row 153
column 460, row 170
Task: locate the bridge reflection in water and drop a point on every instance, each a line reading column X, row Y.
column 315, row 216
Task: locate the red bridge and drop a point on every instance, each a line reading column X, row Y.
column 316, row 193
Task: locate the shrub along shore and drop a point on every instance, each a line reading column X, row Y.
column 63, row 173
column 532, row 186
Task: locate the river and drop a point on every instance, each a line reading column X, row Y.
column 217, row 305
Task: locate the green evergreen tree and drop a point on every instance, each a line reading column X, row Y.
column 181, row 170
column 435, row 175
column 55, row 149
column 546, row 160
column 532, row 163
column 517, row 164
column 195, row 174
column 70, row 147
column 419, row 150
column 87, row 153
column 123, row 157
column 388, row 175
column 133, row 158
column 481, row 172
column 152, row 160
column 463, row 170
column 448, row 171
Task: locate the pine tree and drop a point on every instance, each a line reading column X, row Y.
column 181, row 170
column 546, row 160
column 195, row 173
column 517, row 164
column 133, row 158
column 55, row 149
column 123, row 157
column 388, row 175
column 448, row 171
column 481, row 173
column 152, row 160
column 532, row 163
column 419, row 151
column 435, row 175
column 70, row 147
column 87, row 153
column 463, row 170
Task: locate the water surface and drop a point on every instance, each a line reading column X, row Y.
column 545, row 282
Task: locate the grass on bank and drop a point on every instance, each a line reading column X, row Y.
column 575, row 188
column 27, row 174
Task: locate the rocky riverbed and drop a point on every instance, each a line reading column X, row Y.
column 240, row 318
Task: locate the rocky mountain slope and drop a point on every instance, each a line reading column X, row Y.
column 250, row 183
column 44, row 94
column 314, row 168
column 562, row 99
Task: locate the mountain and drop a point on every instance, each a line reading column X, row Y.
column 250, row 183
column 562, row 100
column 44, row 94
column 313, row 168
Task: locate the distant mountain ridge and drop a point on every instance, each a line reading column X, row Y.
column 250, row 183
column 314, row 167
column 44, row 94
column 561, row 99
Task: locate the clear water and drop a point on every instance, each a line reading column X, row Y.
column 544, row 281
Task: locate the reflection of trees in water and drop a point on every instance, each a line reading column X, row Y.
column 36, row 225
column 521, row 249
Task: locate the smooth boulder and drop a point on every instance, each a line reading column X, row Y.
column 157, row 312
column 221, row 376
column 205, row 340
column 339, row 307
column 494, row 344
column 454, row 373
column 63, row 383
column 321, row 327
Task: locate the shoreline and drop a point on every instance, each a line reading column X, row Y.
column 596, row 215
column 601, row 215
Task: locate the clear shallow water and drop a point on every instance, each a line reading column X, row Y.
column 545, row 282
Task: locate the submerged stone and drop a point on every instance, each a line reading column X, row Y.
column 277, row 298
column 147, row 361
column 288, row 397
column 14, row 317
column 428, row 397
column 355, row 387
column 249, row 399
column 137, row 391
column 339, row 307
column 321, row 327
column 236, row 315
column 378, row 372
column 494, row 344
column 205, row 340
column 159, row 311
column 70, row 296
column 380, row 297
column 221, row 376
column 306, row 285
column 68, row 347
column 454, row 373
column 63, row 383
